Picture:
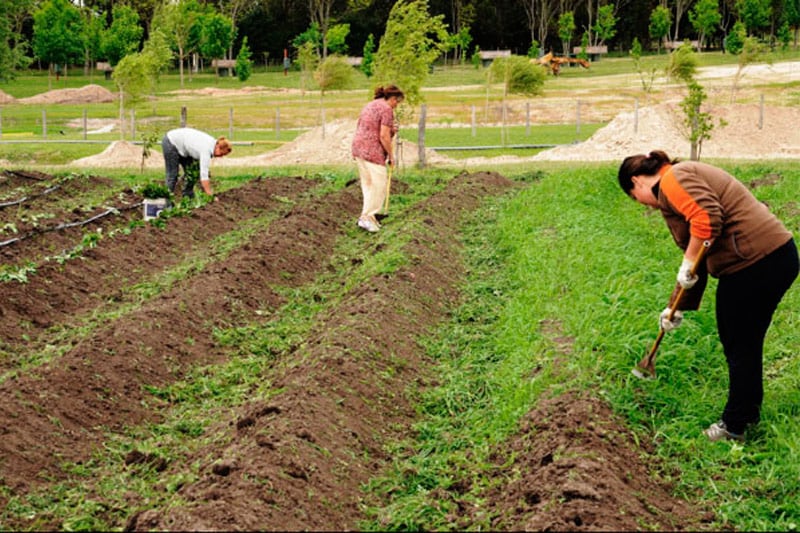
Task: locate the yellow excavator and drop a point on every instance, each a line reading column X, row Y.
column 553, row 63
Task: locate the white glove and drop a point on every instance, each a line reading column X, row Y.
column 668, row 325
column 685, row 277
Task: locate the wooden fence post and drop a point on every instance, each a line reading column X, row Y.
column 183, row 116
column 421, row 135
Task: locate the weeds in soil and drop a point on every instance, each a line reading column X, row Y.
column 572, row 254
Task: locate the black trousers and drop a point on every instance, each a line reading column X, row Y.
column 173, row 160
column 746, row 301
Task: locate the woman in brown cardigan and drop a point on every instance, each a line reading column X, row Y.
column 751, row 253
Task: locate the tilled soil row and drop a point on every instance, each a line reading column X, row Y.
column 57, row 412
column 57, row 292
column 298, row 460
column 41, row 215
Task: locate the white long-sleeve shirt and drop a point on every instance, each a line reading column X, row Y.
column 195, row 144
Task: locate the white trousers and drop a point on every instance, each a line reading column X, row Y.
column 373, row 186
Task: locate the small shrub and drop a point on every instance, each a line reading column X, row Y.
column 155, row 190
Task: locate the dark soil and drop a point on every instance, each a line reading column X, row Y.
column 297, row 460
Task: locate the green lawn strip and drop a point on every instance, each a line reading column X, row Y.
column 60, row 339
column 99, row 495
column 575, row 251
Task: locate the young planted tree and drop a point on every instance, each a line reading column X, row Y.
column 518, row 76
column 244, row 65
column 698, row 123
column 308, row 60
column 136, row 74
column 333, row 73
column 660, row 21
column 648, row 77
column 57, row 31
column 752, row 51
column 368, row 56
column 411, row 43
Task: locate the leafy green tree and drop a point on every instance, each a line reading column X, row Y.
column 660, row 21
column 57, row 30
column 244, row 65
column 566, row 27
column 124, row 34
column 368, row 56
column 755, row 14
column 705, row 18
column 784, row 36
column 734, row 41
column 606, row 26
column 311, row 35
column 93, row 31
column 411, row 43
column 180, row 22
column 337, row 37
column 216, row 35
column 791, row 12
column 6, row 56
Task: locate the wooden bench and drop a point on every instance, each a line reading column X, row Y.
column 593, row 52
column 487, row 56
column 220, row 64
column 105, row 68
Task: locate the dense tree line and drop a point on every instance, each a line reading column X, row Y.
column 50, row 33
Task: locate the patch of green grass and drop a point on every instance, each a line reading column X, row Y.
column 595, row 266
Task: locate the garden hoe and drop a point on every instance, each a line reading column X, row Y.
column 388, row 188
column 646, row 368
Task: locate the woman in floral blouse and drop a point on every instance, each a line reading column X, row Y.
column 372, row 150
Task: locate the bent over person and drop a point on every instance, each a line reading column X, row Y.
column 751, row 253
column 186, row 147
column 372, row 150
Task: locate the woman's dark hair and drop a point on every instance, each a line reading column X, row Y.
column 641, row 165
column 388, row 91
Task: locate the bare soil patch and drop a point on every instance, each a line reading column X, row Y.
column 298, row 459
column 88, row 94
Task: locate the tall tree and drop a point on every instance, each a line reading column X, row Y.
column 320, row 11
column 680, row 9
column 705, row 18
column 566, row 28
column 177, row 19
column 216, row 31
column 755, row 14
column 124, row 34
column 411, row 43
column 57, row 30
column 660, row 22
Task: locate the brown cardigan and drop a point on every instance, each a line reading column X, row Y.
column 706, row 202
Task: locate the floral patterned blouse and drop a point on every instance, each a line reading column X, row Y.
column 367, row 140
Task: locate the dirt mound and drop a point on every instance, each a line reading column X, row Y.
column 88, row 94
column 326, row 145
column 6, row 98
column 579, row 472
column 121, row 154
column 744, row 133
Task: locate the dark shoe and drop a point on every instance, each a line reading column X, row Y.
column 719, row 431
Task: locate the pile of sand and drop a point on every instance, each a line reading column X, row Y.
column 326, row 145
column 121, row 154
column 740, row 132
column 88, row 94
column 6, row 98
